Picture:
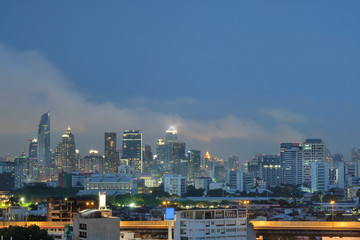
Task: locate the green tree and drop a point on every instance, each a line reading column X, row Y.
column 24, row 233
column 193, row 192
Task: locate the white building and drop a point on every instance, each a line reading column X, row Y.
column 319, row 176
column 210, row 224
column 313, row 151
column 175, row 184
column 111, row 183
column 236, row 180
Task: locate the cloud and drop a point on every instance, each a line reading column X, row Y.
column 283, row 116
column 31, row 86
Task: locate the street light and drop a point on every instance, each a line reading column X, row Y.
column 246, row 203
column 332, row 204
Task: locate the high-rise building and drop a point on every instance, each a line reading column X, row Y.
column 132, row 149
column 194, row 157
column 148, row 158
column 92, row 163
column 319, row 176
column 313, row 151
column 65, row 156
column 270, row 170
column 233, row 163
column 171, row 135
column 291, row 163
column 33, row 156
column 44, row 160
column 111, row 154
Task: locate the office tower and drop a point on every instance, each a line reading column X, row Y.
column 21, row 170
column 170, row 152
column 220, row 173
column 291, row 163
column 44, row 146
column 93, row 163
column 194, row 157
column 253, row 165
column 65, row 156
column 33, row 156
column 233, row 163
column 111, row 154
column 171, row 135
column 148, row 158
column 162, row 155
column 132, row 149
column 178, row 154
column 313, row 151
column 319, row 176
column 206, row 162
column 270, row 170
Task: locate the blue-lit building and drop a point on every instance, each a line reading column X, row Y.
column 132, row 149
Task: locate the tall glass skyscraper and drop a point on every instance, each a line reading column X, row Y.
column 44, row 146
column 132, row 149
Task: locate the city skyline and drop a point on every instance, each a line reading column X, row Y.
column 234, row 78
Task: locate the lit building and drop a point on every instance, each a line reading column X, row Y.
column 291, row 163
column 112, row 183
column 111, row 154
column 210, row 224
column 270, row 170
column 132, row 149
column 21, row 170
column 233, row 163
column 65, row 156
column 175, row 184
column 62, row 209
column 44, row 160
column 96, row 223
column 313, row 151
column 33, row 159
column 319, row 176
column 171, row 135
column 194, row 157
column 92, row 163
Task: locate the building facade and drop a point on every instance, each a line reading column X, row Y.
column 132, row 149
column 44, row 158
column 210, row 224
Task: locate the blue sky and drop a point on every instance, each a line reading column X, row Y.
column 236, row 77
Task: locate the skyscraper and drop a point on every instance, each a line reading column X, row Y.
column 111, row 154
column 44, row 146
column 65, row 156
column 148, row 157
column 33, row 156
column 171, row 134
column 291, row 163
column 313, row 151
column 194, row 164
column 132, row 149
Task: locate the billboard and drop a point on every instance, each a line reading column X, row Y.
column 169, row 214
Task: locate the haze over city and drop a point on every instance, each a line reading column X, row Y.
column 232, row 77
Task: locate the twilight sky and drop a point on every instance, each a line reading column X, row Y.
column 234, row 77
